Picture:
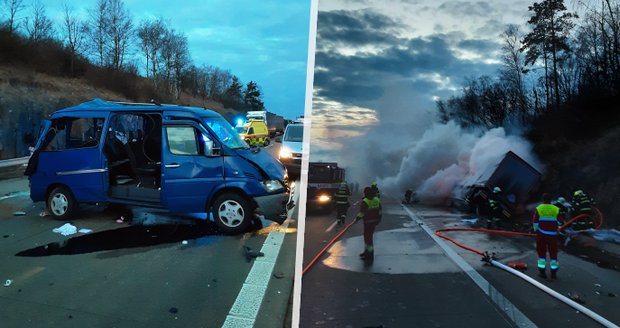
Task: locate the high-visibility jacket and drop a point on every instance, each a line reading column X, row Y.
column 546, row 219
column 370, row 210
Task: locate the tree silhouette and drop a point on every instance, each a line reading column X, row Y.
column 551, row 25
column 252, row 97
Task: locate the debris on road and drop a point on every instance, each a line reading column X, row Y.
column 173, row 310
column 278, row 275
column 521, row 266
column 597, row 285
column 611, row 295
column 121, row 219
column 576, row 297
column 470, row 221
column 19, row 213
column 250, row 254
column 8, row 283
column 66, row 229
column 44, row 213
column 84, row 230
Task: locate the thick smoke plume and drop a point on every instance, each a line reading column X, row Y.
column 446, row 154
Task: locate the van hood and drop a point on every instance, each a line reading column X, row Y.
column 263, row 160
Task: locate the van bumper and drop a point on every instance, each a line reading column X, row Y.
column 273, row 207
column 293, row 165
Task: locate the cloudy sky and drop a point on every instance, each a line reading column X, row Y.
column 265, row 41
column 385, row 63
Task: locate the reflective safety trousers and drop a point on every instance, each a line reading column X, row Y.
column 544, row 244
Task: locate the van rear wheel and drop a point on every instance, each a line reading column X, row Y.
column 232, row 213
column 61, row 203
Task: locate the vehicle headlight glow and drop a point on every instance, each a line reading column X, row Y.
column 324, row 199
column 285, row 153
column 272, row 185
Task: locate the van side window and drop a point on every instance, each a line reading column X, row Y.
column 251, row 130
column 73, row 133
column 182, row 140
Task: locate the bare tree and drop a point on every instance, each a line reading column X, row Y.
column 513, row 71
column 13, row 7
column 97, row 27
column 74, row 32
column 151, row 36
column 119, row 29
column 39, row 27
column 175, row 57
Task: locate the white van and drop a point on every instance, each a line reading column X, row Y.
column 290, row 152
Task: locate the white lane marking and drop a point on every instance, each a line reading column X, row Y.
column 500, row 300
column 332, row 226
column 15, row 194
column 244, row 311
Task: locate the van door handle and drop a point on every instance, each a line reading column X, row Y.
column 172, row 166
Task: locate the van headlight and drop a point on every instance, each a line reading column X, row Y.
column 272, row 185
column 285, row 153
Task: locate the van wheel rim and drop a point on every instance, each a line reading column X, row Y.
column 231, row 213
column 59, row 204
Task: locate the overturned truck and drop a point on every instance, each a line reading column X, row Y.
column 513, row 175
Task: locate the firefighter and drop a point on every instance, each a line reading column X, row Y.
column 495, row 211
column 370, row 212
column 564, row 206
column 375, row 189
column 582, row 204
column 342, row 202
column 547, row 219
column 408, row 194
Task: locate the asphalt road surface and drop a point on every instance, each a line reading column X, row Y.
column 414, row 283
column 156, row 271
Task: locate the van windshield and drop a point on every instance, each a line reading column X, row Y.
column 242, row 130
column 294, row 133
column 225, row 132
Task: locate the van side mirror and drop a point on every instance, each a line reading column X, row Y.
column 211, row 149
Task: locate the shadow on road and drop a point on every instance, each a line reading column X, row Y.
column 200, row 234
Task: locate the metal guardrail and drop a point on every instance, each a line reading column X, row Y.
column 14, row 161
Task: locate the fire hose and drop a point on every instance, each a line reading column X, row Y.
column 489, row 259
column 327, row 247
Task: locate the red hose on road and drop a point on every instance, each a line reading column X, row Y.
column 438, row 233
column 327, row 246
column 479, row 252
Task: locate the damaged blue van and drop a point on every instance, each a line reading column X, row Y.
column 183, row 159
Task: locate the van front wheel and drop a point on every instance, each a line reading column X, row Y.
column 61, row 203
column 232, row 213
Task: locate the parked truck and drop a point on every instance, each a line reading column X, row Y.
column 513, row 175
column 324, row 179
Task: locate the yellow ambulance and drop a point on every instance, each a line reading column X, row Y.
column 254, row 132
